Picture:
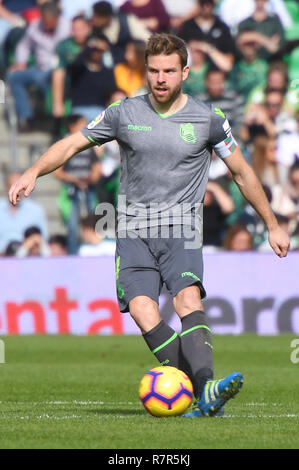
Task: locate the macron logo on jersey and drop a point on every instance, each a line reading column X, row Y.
column 133, row 127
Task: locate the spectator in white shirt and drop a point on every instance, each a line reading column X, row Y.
column 39, row 41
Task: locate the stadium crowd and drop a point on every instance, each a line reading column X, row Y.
column 64, row 63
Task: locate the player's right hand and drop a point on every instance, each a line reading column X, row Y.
column 24, row 185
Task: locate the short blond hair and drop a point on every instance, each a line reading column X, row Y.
column 167, row 44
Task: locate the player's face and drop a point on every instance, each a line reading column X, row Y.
column 165, row 76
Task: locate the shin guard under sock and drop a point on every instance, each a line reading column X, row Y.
column 164, row 343
column 196, row 346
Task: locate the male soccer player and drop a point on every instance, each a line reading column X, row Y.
column 165, row 140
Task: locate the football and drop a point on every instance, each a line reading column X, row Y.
column 165, row 391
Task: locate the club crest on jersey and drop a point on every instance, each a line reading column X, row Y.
column 96, row 121
column 187, row 133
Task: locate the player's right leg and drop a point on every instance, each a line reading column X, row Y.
column 161, row 339
column 138, row 288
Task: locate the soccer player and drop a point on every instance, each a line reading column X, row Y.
column 166, row 139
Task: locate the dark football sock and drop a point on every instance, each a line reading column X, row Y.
column 196, row 347
column 164, row 343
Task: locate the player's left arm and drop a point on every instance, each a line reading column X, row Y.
column 252, row 190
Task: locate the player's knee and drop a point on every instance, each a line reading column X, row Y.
column 187, row 300
column 145, row 312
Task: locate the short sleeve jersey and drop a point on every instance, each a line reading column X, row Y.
column 165, row 159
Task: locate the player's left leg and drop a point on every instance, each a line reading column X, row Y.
column 182, row 270
column 196, row 338
column 197, row 348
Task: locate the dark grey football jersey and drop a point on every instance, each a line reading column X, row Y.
column 165, row 159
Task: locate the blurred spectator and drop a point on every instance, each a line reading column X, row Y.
column 290, row 228
column 40, row 39
column 288, row 146
column 33, row 244
column 66, row 51
column 80, row 174
column 73, row 8
column 152, row 13
column 229, row 102
column 254, row 223
column 285, row 197
column 232, row 12
column 14, row 220
column 58, row 245
column 265, row 29
column 118, row 28
column 91, row 83
column 130, row 75
column 12, row 248
column 195, row 83
column 94, row 243
column 180, row 11
column 11, row 15
column 248, row 72
column 230, row 187
column 238, row 238
column 268, row 118
column 25, row 12
column 277, row 79
column 214, row 36
column 264, row 162
column 217, row 205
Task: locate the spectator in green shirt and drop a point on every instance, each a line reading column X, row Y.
column 250, row 71
column 66, row 52
column 277, row 79
column 195, row 83
column 266, row 30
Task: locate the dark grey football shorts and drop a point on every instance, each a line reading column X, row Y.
column 144, row 264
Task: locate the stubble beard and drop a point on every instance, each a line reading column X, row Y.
column 169, row 97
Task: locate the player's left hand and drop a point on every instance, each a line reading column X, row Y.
column 279, row 241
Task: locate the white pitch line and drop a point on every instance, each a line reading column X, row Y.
column 74, row 402
column 287, row 415
column 100, row 402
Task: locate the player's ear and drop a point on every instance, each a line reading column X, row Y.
column 186, row 70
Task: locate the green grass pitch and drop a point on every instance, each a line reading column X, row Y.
column 82, row 392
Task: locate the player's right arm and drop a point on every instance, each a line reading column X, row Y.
column 102, row 129
column 52, row 159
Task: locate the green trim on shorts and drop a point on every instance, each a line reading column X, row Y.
column 165, row 343
column 120, row 291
